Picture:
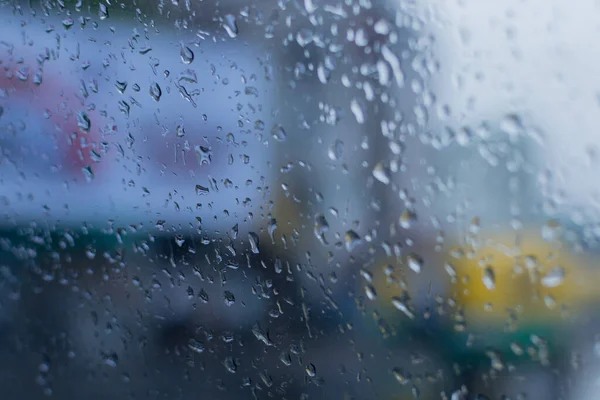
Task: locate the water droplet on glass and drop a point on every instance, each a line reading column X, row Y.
column 321, row 228
column 112, row 360
column 68, row 22
column 402, row 306
column 38, row 77
column 336, row 150
column 381, row 173
column 121, row 86
column 155, row 91
column 201, row 190
column 367, row 275
column 195, row 346
column 102, row 11
column 187, row 55
column 310, row 6
column 352, row 240
column 407, row 219
column 489, row 278
column 311, row 370
column 261, row 335
column 415, row 262
column 253, row 239
column 228, row 298
column 400, row 376
column 278, row 133
column 230, row 364
column 554, row 277
column 88, row 173
column 23, row 73
column 83, row 121
column 358, row 111
column 271, row 229
column 230, row 25
column 370, row 292
column 180, row 131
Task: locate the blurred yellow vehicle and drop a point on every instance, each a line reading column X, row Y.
column 520, row 279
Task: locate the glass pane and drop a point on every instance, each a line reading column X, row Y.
column 299, row 199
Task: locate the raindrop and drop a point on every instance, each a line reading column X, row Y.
column 304, row 37
column 195, row 346
column 310, row 6
column 381, row 173
column 230, row 365
column 261, row 335
column 407, row 219
column 272, row 227
column 489, row 278
column 23, row 73
column 321, row 228
column 228, row 298
column 370, row 292
column 402, row 306
column 88, row 173
column 352, row 240
column 311, row 370
column 367, row 275
column 554, row 277
column 155, row 91
column 415, row 262
column 180, row 131
column 83, row 121
column 38, row 77
column 187, row 55
column 201, row 190
column 121, row 86
column 400, row 376
column 68, row 22
column 253, row 239
column 230, row 25
column 358, row 111
column 278, row 133
column 336, row 150
column 112, row 360
column 285, row 358
column 102, row 11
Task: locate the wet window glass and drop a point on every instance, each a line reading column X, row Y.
column 299, row 199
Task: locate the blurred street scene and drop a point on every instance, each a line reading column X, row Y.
column 299, row 200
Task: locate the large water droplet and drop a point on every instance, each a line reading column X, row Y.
column 83, row 121
column 358, row 111
column 381, row 173
column 278, row 133
column 415, row 262
column 230, row 25
column 554, row 277
column 155, row 91
column 195, row 346
column 407, row 219
column 336, row 150
column 489, row 278
column 228, row 298
column 370, row 292
column 187, row 55
column 253, row 239
column 402, row 306
column 321, row 228
column 102, row 11
column 352, row 240
column 230, row 364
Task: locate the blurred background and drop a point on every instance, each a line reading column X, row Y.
column 306, row 199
